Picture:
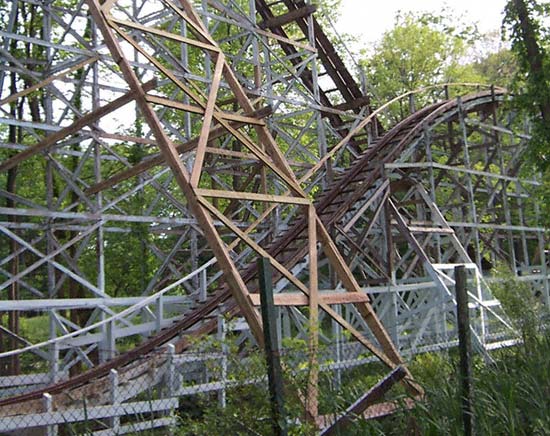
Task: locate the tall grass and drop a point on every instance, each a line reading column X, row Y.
column 511, row 395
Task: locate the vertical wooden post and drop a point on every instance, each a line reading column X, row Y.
column 271, row 345
column 465, row 347
column 313, row 379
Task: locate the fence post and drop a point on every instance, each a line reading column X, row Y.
column 172, row 389
column 159, row 313
column 465, row 349
column 54, row 363
column 224, row 349
column 115, row 399
column 51, row 430
column 171, row 377
column 274, row 370
column 203, row 289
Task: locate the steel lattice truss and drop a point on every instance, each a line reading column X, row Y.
column 152, row 150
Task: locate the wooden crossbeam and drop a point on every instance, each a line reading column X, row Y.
column 252, row 196
column 79, row 124
column 372, row 396
column 299, row 299
column 45, row 82
column 289, row 17
column 165, row 34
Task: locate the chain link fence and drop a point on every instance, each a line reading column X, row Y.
column 220, row 386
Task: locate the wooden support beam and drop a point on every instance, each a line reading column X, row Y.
column 351, row 285
column 86, row 120
column 159, row 159
column 207, row 121
column 251, row 196
column 45, row 82
column 288, row 275
column 373, row 395
column 280, row 166
column 366, row 310
column 299, row 299
column 173, row 104
column 273, row 159
column 231, row 274
column 228, row 116
column 289, row 17
column 312, row 401
column 165, row 34
column 107, row 5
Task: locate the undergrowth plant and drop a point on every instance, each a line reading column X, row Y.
column 511, row 395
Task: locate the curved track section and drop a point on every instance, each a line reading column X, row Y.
column 246, row 105
column 341, row 196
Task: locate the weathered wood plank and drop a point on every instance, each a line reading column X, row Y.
column 299, row 299
column 289, row 17
column 252, row 196
column 312, row 402
column 207, row 121
column 82, row 122
column 164, row 34
column 373, row 395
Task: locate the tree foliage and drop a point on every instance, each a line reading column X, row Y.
column 529, row 38
column 419, row 51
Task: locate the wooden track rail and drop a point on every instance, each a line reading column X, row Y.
column 288, row 249
column 349, row 93
column 176, row 141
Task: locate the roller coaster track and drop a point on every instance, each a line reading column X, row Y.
column 341, row 196
column 344, row 84
column 228, row 107
column 349, row 97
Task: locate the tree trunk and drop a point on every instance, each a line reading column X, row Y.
column 534, row 53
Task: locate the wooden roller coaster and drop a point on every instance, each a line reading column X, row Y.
column 256, row 141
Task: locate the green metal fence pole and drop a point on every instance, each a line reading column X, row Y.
column 465, row 349
column 274, row 371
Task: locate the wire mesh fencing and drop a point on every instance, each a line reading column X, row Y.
column 220, row 386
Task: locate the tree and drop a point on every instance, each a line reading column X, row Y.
column 27, row 20
column 523, row 21
column 493, row 59
column 421, row 50
column 498, row 68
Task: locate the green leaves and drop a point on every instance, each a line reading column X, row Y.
column 421, row 50
column 523, row 23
